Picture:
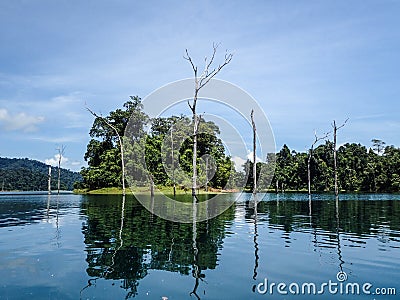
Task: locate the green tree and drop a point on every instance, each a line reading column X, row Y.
column 103, row 152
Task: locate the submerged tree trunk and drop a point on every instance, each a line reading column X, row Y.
column 310, row 153
column 206, row 174
column 49, row 181
column 335, row 129
column 334, row 158
column 60, row 155
column 253, row 124
column 194, row 159
column 309, row 171
column 200, row 82
column 173, row 162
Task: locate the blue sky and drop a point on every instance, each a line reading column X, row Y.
column 305, row 62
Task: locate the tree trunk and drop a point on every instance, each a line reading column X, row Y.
column 309, row 172
column 335, row 129
column 206, row 174
column 59, row 175
column 194, row 161
column 60, row 155
column 200, row 82
column 122, row 164
column 334, row 158
column 49, row 181
column 173, row 162
column 254, row 154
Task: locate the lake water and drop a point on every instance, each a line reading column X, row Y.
column 86, row 247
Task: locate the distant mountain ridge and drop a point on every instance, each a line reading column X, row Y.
column 31, row 175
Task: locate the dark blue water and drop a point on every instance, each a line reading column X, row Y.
column 87, row 247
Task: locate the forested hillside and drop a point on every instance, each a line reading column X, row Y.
column 32, row 175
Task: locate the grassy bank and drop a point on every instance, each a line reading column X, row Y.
column 162, row 189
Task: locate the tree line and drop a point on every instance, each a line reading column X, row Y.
column 168, row 144
column 374, row 169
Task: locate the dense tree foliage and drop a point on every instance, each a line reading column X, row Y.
column 31, row 175
column 168, row 145
column 360, row 169
column 103, row 153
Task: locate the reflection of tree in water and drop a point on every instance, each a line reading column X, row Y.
column 252, row 213
column 356, row 216
column 148, row 242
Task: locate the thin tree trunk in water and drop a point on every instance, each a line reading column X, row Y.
column 194, row 160
column 310, row 154
column 172, row 161
column 59, row 175
column 309, row 172
column 206, row 174
column 335, row 129
column 334, row 158
column 200, row 82
column 254, row 154
column 60, row 155
column 122, row 164
column 49, row 181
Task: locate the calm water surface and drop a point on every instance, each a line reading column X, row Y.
column 88, row 247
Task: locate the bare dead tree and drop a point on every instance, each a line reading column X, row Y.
column 49, row 181
column 310, row 154
column 199, row 82
column 119, row 142
column 253, row 124
column 335, row 129
column 172, row 160
column 60, row 155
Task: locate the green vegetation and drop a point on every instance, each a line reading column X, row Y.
column 104, row 157
column 359, row 169
column 24, row 174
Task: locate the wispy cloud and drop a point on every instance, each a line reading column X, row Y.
column 19, row 122
column 76, row 138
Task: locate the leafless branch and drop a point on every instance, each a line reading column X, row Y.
column 207, row 66
column 317, row 139
column 209, row 75
column 344, row 123
column 188, row 58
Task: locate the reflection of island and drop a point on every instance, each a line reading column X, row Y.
column 294, row 216
column 149, row 242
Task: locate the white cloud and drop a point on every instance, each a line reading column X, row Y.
column 66, row 163
column 250, row 157
column 18, row 122
column 54, row 161
column 239, row 162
